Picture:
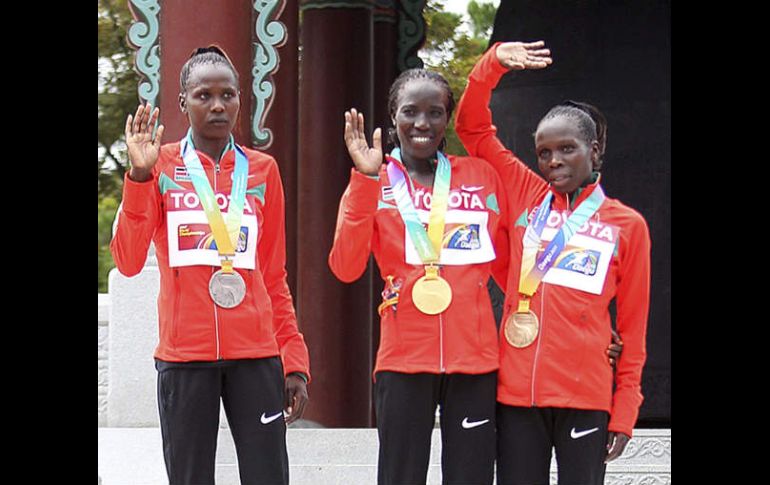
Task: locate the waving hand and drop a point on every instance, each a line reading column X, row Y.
column 143, row 149
column 367, row 160
column 524, row 55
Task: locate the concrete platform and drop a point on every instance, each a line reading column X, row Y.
column 133, row 456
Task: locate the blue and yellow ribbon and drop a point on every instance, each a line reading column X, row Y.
column 427, row 243
column 225, row 232
column 533, row 269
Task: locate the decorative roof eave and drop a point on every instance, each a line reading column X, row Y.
column 143, row 36
column 270, row 34
column 411, row 33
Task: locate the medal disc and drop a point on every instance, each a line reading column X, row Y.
column 227, row 289
column 521, row 329
column 431, row 295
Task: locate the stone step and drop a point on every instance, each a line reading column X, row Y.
column 133, row 456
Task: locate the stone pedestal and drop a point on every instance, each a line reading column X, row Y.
column 133, row 336
column 342, row 456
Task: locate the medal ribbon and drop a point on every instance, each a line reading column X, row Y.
column 427, row 243
column 225, row 233
column 533, row 270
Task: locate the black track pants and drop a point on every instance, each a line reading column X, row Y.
column 526, row 436
column 252, row 391
column 406, row 407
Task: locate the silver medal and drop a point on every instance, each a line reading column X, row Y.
column 227, row 289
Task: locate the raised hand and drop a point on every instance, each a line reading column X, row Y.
column 143, row 149
column 367, row 160
column 524, row 55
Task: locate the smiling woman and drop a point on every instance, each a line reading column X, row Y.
column 420, row 105
column 438, row 342
column 227, row 326
column 430, row 354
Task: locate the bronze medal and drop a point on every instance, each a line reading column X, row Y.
column 227, row 289
column 431, row 294
column 521, row 329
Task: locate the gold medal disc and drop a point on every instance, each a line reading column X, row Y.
column 431, row 295
column 521, row 329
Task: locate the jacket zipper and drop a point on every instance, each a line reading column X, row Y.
column 537, row 349
column 216, row 314
column 441, row 342
column 216, row 329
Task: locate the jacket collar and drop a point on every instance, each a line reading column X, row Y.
column 226, row 158
column 567, row 202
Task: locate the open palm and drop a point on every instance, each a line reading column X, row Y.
column 524, row 55
column 366, row 159
column 143, row 149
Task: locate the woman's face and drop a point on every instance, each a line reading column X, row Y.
column 211, row 101
column 564, row 158
column 420, row 118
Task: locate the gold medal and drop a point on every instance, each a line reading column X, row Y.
column 521, row 329
column 431, row 294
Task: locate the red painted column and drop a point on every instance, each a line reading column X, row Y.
column 336, row 318
column 385, row 72
column 185, row 25
column 385, row 65
column 283, row 120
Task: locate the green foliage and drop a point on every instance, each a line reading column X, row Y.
column 117, row 92
column 440, row 27
column 482, row 18
column 108, row 206
column 117, row 97
column 452, row 52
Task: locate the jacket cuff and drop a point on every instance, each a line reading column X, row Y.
column 489, row 62
column 621, row 424
column 300, row 375
column 137, row 195
column 364, row 192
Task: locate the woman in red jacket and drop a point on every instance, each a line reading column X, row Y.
column 438, row 344
column 227, row 326
column 573, row 250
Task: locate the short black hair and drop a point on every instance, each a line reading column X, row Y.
column 591, row 122
column 212, row 54
column 402, row 80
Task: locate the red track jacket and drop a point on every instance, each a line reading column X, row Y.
column 463, row 338
column 167, row 211
column 567, row 364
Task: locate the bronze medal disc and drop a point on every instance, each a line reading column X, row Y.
column 431, row 295
column 227, row 289
column 521, row 329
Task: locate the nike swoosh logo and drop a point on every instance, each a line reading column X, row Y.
column 471, row 188
column 580, row 434
column 270, row 419
column 468, row 425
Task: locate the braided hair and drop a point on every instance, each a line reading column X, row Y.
column 212, row 54
column 398, row 85
column 591, row 123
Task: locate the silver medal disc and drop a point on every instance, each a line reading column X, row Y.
column 227, row 289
